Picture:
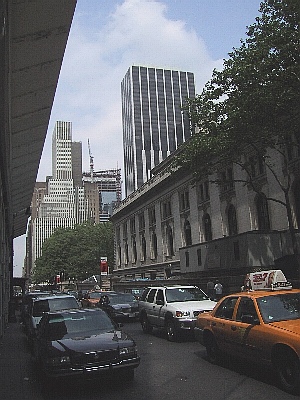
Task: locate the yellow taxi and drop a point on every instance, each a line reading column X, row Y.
column 260, row 324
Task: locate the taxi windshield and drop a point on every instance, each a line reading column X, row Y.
column 281, row 307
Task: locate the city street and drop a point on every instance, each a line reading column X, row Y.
column 167, row 371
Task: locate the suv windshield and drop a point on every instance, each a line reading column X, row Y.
column 185, row 294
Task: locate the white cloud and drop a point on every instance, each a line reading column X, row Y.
column 96, row 60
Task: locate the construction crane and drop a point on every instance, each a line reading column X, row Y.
column 91, row 162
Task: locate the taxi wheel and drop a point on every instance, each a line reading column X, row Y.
column 212, row 350
column 288, row 370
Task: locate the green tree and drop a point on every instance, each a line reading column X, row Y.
column 76, row 252
column 250, row 109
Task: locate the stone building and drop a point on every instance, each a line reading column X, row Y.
column 172, row 227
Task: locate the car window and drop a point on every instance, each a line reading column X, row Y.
column 160, row 296
column 144, row 295
column 151, row 295
column 280, row 307
column 246, row 307
column 185, row 294
column 39, row 307
column 56, row 304
column 226, row 308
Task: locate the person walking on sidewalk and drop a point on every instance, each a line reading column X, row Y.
column 218, row 290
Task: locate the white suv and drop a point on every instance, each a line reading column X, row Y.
column 173, row 308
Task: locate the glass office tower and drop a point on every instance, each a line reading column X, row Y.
column 154, row 124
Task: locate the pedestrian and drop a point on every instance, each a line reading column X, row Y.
column 218, row 290
column 210, row 287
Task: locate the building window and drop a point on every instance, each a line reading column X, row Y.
column 143, row 248
column 226, row 177
column 187, row 259
column 203, row 191
column 153, row 246
column 126, row 255
column 170, row 244
column 187, row 233
column 141, row 222
column 262, row 213
column 199, row 257
column 236, row 250
column 166, row 209
column 232, row 221
column 152, row 216
column 184, row 201
column 207, row 227
column 256, row 166
column 132, row 226
column 134, row 252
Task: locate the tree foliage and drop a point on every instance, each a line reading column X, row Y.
column 76, row 252
column 253, row 104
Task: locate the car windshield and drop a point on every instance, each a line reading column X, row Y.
column 78, row 325
column 55, row 304
column 280, row 307
column 185, row 294
column 121, row 298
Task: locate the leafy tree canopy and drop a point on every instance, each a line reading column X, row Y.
column 76, row 252
column 254, row 101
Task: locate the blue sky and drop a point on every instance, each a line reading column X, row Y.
column 109, row 36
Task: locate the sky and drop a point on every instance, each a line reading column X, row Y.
column 109, row 36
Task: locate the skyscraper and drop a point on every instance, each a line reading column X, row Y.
column 62, row 203
column 154, row 124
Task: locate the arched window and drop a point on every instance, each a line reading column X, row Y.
column 187, row 233
column 134, row 253
column 262, row 212
column 153, row 245
column 207, row 227
column 143, row 242
column 232, row 222
column 169, row 236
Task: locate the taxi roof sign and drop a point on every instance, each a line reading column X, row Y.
column 273, row 279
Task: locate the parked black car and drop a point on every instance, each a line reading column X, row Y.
column 83, row 341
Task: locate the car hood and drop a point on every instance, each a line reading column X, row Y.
column 203, row 305
column 102, row 341
column 292, row 326
column 124, row 305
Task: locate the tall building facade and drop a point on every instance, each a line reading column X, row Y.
column 154, row 124
column 103, row 191
column 62, row 203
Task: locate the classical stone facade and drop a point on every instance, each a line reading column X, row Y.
column 172, row 226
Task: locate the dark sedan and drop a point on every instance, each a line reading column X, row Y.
column 83, row 342
column 121, row 306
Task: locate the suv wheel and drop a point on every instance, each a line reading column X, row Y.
column 172, row 333
column 147, row 328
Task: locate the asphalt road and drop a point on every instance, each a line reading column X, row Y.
column 174, row 371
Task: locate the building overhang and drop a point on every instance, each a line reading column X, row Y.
column 37, row 37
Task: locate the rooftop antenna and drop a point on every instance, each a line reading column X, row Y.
column 91, row 162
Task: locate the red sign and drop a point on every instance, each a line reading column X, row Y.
column 103, row 266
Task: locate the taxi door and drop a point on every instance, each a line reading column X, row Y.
column 222, row 321
column 244, row 335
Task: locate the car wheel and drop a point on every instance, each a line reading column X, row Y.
column 147, row 328
column 288, row 371
column 212, row 350
column 172, row 332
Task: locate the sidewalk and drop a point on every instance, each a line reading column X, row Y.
column 17, row 378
